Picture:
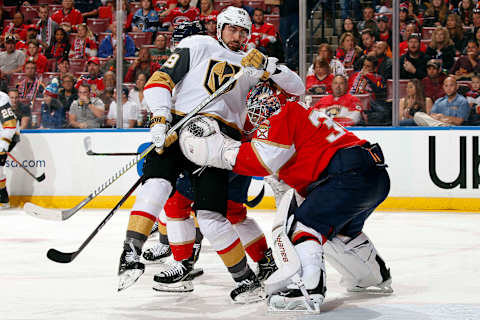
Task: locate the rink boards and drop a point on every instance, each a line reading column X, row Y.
column 430, row 169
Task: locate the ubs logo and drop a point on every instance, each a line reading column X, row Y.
column 461, row 179
column 218, row 73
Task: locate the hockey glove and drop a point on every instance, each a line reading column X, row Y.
column 255, row 59
column 158, row 129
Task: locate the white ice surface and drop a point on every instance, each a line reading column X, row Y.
column 434, row 260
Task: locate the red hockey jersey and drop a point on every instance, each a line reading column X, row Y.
column 262, row 35
column 297, row 143
column 177, row 16
column 346, row 110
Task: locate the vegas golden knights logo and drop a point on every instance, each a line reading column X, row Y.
column 218, row 73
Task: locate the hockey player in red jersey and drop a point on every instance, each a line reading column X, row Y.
column 342, row 178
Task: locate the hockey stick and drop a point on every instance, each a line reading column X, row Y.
column 64, row 257
column 40, row 178
column 255, row 201
column 60, row 215
column 87, row 143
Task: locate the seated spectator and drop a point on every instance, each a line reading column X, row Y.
column 160, row 52
column 87, row 111
column 325, row 52
column 68, row 14
column 351, row 27
column 30, row 87
column 145, row 19
column 16, row 28
column 320, row 82
column 384, row 67
column 476, row 23
column 59, row 47
column 62, row 67
column 88, row 8
column 465, row 10
column 367, row 81
column 137, row 98
column 111, row 64
column 22, row 111
column 211, row 26
column 433, row 82
column 143, row 64
column 84, row 45
column 183, row 12
column 473, row 99
column 467, row 65
column 406, row 17
column 94, row 78
column 207, row 13
column 263, row 33
column 164, row 7
column 340, row 105
column 53, row 112
column 455, row 30
column 410, row 29
column 450, row 110
column 441, row 48
column 11, row 60
column 239, row 4
column 384, row 32
column 33, row 54
column 368, row 44
column 414, row 101
column 46, row 26
column 348, row 52
column 107, row 44
column 368, row 21
column 413, row 63
column 32, row 34
column 129, row 111
column 436, row 13
column 109, row 82
column 67, row 93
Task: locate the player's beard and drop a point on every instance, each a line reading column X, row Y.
column 234, row 45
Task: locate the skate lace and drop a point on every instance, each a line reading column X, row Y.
column 159, row 249
column 175, row 268
column 132, row 255
column 243, row 285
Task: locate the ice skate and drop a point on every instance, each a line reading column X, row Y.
column 177, row 277
column 266, row 266
column 158, row 253
column 384, row 287
column 4, row 200
column 248, row 290
column 130, row 268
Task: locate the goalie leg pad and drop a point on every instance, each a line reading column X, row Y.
column 359, row 264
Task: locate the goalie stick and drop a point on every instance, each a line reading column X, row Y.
column 64, row 257
column 61, row 215
column 40, row 178
column 87, row 143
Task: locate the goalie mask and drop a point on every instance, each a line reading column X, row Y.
column 262, row 101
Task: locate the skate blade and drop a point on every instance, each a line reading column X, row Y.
column 256, row 295
column 383, row 288
column 156, row 261
column 128, row 278
column 182, row 286
column 296, row 306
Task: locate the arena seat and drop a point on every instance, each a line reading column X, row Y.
column 15, row 78
column 10, row 10
column 141, row 38
column 273, row 19
column 221, row 4
column 29, row 12
column 364, row 100
column 402, row 88
column 427, row 33
column 77, row 65
column 48, row 76
column 98, row 25
column 37, row 105
column 254, row 3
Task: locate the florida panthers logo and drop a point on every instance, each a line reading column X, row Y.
column 218, row 73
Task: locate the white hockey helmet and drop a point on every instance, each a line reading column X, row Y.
column 236, row 17
column 4, row 99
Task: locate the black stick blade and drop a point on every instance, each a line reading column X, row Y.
column 41, row 178
column 61, row 257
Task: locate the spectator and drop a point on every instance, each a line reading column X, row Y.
column 109, row 82
column 53, row 112
column 349, row 26
column 67, row 93
column 450, row 110
column 368, row 21
column 33, row 54
column 60, row 47
column 455, row 30
column 88, row 8
column 414, row 101
column 467, row 65
column 84, row 45
column 46, row 26
column 129, row 111
column 111, row 64
column 413, row 63
column 22, row 111
column 476, row 18
column 348, row 52
column 441, row 48
column 17, row 27
column 63, row 67
column 68, row 14
column 384, row 62
column 368, row 43
column 143, row 64
column 325, row 52
column 320, row 82
column 107, row 44
column 433, row 82
column 160, row 52
column 349, row 7
column 473, row 99
column 206, row 11
column 211, row 26
column 405, row 18
column 87, row 111
column 31, row 86
column 128, row 14
column 164, row 7
column 263, row 33
column 340, row 105
column 32, row 34
column 367, row 81
column 94, row 78
column 145, row 19
column 137, row 98
column 183, row 12
column 11, row 60
column 465, row 10
column 410, row 29
column 239, row 4
column 384, row 33
column 436, row 14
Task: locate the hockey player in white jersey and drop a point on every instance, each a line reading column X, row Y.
column 196, row 69
column 7, row 142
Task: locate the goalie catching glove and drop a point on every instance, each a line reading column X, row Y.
column 158, row 129
column 265, row 66
column 204, row 144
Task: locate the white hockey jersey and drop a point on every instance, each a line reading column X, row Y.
column 197, row 68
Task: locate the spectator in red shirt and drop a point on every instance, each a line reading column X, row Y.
column 33, row 54
column 94, row 78
column 384, row 32
column 211, row 26
column 207, row 11
column 181, row 14
column 320, row 82
column 17, row 27
column 68, row 14
column 59, row 47
column 367, row 81
column 433, row 82
column 410, row 28
column 348, row 52
column 84, row 45
column 143, row 64
column 263, row 33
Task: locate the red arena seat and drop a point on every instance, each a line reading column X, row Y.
column 37, row 105
column 97, row 25
column 254, row 3
column 221, row 4
column 141, row 38
column 29, row 12
column 77, row 65
column 15, row 78
column 273, row 19
column 402, row 92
